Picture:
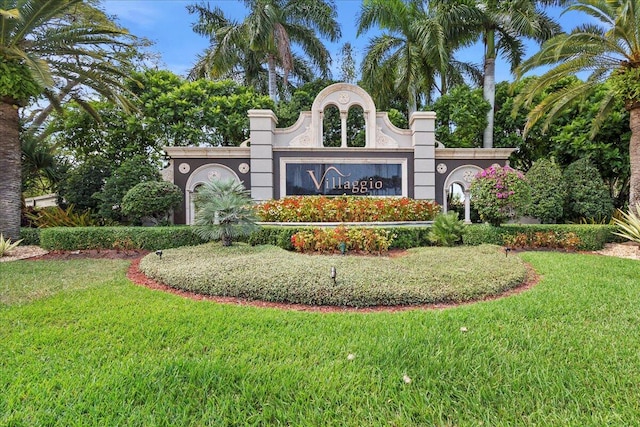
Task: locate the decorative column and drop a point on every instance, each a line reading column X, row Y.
column 343, row 128
column 262, row 124
column 422, row 125
column 467, row 206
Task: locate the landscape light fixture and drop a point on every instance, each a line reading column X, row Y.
column 506, row 251
column 334, row 273
column 159, row 253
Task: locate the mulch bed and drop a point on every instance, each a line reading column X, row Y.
column 92, row 254
column 138, row 277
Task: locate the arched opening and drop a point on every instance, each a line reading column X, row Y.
column 356, row 129
column 192, row 201
column 331, row 129
column 200, row 176
column 455, row 199
column 456, row 193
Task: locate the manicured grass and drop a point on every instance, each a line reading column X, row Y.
column 268, row 273
column 25, row 284
column 108, row 352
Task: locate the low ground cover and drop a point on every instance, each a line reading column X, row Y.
column 98, row 350
column 268, row 273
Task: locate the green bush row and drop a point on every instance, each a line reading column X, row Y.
column 405, row 237
column 149, row 238
column 30, row 236
column 592, row 237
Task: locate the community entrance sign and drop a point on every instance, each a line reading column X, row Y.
column 279, row 162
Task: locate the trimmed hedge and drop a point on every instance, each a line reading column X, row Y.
column 126, row 238
column 404, row 237
column 30, row 236
column 592, row 237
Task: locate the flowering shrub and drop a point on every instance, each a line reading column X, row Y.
column 329, row 240
column 543, row 239
column 499, row 194
column 347, row 209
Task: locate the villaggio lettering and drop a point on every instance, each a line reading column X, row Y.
column 340, row 183
column 362, row 179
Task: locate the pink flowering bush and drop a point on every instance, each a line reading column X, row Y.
column 499, row 194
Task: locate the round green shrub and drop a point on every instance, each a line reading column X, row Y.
column 499, row 194
column 587, row 195
column 422, row 276
column 548, row 191
column 152, row 199
column 131, row 172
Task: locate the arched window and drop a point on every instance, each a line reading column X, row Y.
column 331, row 130
column 200, row 176
column 356, row 130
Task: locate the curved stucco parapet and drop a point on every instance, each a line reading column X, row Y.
column 343, row 96
column 401, row 137
column 294, row 135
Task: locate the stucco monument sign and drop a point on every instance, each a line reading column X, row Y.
column 279, row 162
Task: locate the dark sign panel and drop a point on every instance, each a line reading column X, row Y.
column 336, row 179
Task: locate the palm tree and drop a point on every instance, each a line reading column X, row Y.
column 49, row 48
column 416, row 48
column 502, row 26
column 41, row 171
column 266, row 36
column 609, row 52
column 224, row 211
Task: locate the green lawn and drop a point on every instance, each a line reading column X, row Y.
column 81, row 345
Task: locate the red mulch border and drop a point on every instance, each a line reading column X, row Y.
column 139, row 278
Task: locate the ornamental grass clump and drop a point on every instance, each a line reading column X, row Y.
column 224, row 211
column 447, row 229
column 499, row 194
column 6, row 246
column 629, row 224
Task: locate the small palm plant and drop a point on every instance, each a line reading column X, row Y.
column 6, row 245
column 224, row 211
column 447, row 229
column 629, row 225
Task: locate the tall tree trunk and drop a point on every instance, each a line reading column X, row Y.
column 489, row 86
column 273, row 90
column 10, row 171
column 412, row 103
column 634, row 156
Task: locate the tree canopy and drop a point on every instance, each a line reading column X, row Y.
column 59, row 50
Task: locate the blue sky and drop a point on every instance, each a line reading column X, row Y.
column 168, row 24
